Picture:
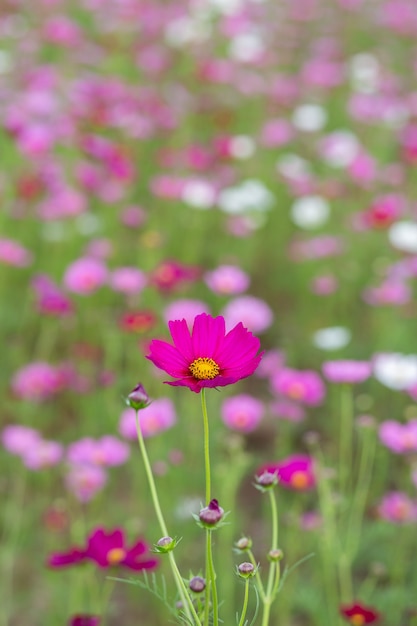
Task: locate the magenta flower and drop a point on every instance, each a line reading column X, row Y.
column 398, row 508
column 84, row 620
column 106, row 451
column 296, row 472
column 107, row 549
column 206, row 357
column 347, row 371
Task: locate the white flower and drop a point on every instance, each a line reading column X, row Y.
column 246, row 47
column 396, row 371
column 340, row 148
column 403, row 236
column 309, row 117
column 294, row 167
column 199, row 194
column 242, row 147
column 251, row 195
column 332, row 338
column 364, row 72
column 310, row 212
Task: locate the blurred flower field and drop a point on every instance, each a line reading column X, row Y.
column 238, row 179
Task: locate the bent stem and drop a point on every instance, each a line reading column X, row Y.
column 211, row 589
column 187, row 604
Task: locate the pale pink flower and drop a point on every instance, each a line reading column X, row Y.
column 227, row 279
column 304, row 386
column 37, row 381
column 255, row 314
column 186, row 309
column 43, row 454
column 287, row 410
column 347, row 371
column 128, row 280
column 400, row 438
column 12, row 253
column 84, row 276
column 242, row 412
column 397, row 507
column 107, row 451
column 157, row 417
column 18, row 439
column 84, row 481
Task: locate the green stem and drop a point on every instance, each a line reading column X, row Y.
column 245, row 603
column 345, row 444
column 182, row 590
column 257, row 576
column 206, row 446
column 274, row 567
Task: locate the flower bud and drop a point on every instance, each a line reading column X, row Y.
column 246, row 570
column 197, row 584
column 244, row 543
column 165, row 544
column 267, row 480
column 275, row 555
column 138, row 398
column 211, row 514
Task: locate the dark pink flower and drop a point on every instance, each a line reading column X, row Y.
column 84, row 620
column 107, row 549
column 358, row 614
column 295, row 472
column 110, row 549
column 206, row 357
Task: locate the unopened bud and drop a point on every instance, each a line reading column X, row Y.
column 138, row 398
column 246, row 570
column 244, row 543
column 165, row 544
column 275, row 555
column 267, row 480
column 211, row 514
column 197, row 584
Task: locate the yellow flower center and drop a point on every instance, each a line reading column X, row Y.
column 296, row 391
column 204, row 368
column 115, row 555
column 357, row 619
column 299, row 480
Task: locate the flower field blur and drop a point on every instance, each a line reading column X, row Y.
column 222, row 196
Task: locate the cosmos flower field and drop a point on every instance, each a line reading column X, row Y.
column 208, row 264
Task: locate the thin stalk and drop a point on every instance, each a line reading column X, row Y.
column 245, row 603
column 211, row 589
column 274, row 567
column 182, row 590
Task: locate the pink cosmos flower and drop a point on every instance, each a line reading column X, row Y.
column 349, row 372
column 242, row 413
column 400, row 438
column 185, row 308
column 305, row 386
column 398, row 508
column 287, row 410
column 18, row 439
column 37, row 381
column 50, row 299
column 128, row 280
column 227, row 279
column 107, row 451
column 295, row 472
column 43, row 454
column 12, row 253
column 84, row 481
column 255, row 313
column 157, row 417
column 107, row 549
column 85, row 275
column 206, row 357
